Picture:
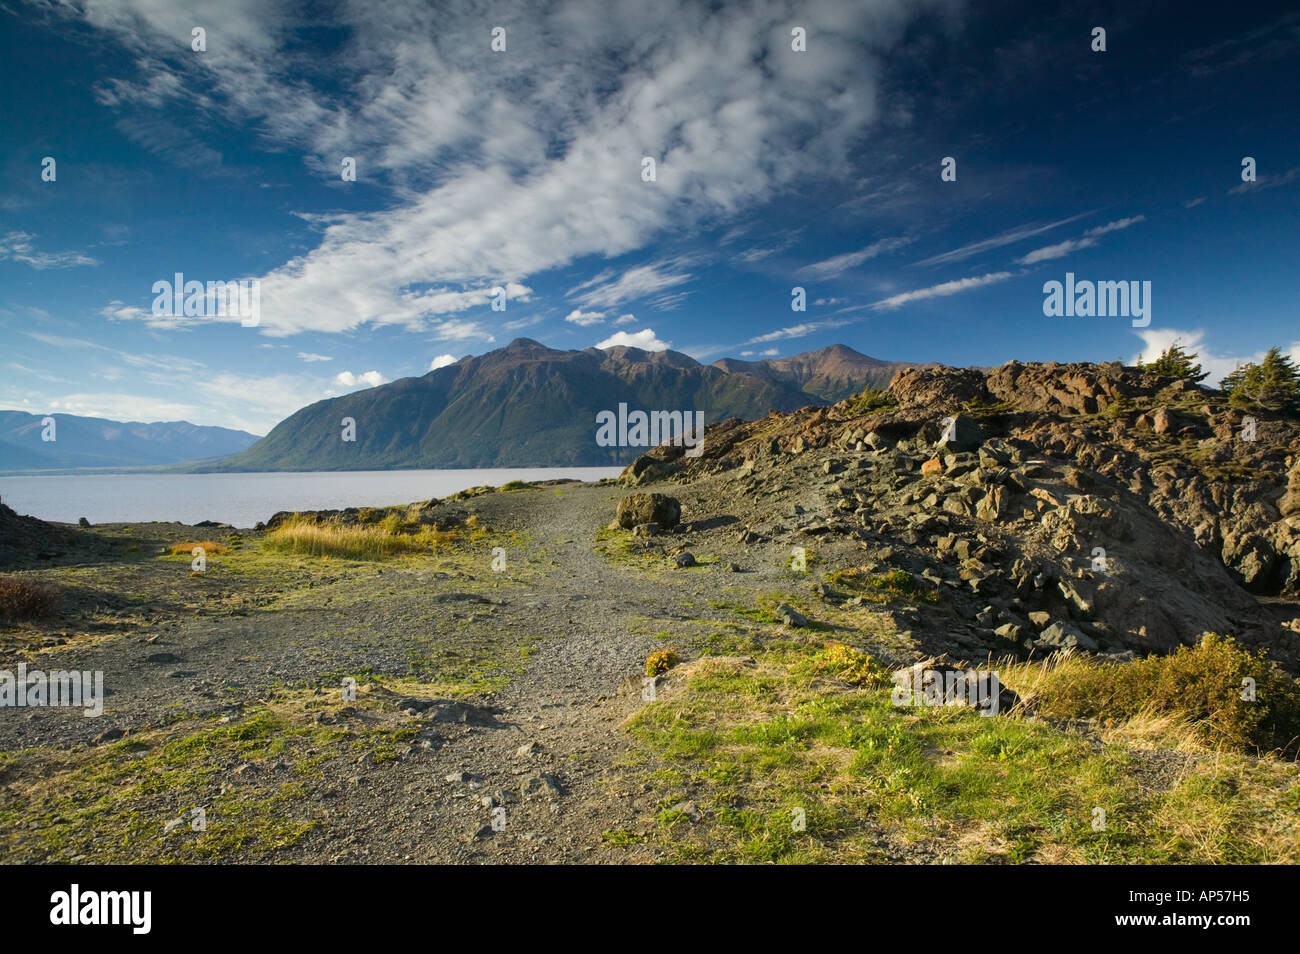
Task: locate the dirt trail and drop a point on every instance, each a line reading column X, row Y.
column 570, row 700
column 591, row 619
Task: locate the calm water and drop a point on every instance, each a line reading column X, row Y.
column 244, row 499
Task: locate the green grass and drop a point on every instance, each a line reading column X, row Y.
column 895, row 585
column 807, row 725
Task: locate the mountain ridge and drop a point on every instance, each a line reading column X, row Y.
column 95, row 442
column 528, row 405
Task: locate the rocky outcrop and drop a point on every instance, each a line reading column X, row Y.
column 1094, row 507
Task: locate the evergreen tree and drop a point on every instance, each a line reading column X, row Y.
column 1174, row 362
column 1272, row 384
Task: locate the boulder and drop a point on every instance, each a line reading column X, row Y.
column 649, row 508
column 645, row 470
column 962, row 435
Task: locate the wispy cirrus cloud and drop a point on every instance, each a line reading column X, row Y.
column 942, row 289
column 1069, row 246
column 801, row 330
column 19, row 247
column 641, row 281
column 839, row 264
column 1009, row 237
column 1267, row 182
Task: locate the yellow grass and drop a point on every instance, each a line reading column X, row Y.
column 364, row 542
column 209, row 548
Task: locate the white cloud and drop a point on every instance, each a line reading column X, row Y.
column 442, row 361
column 944, row 288
column 800, row 330
column 523, row 323
column 500, row 168
column 1059, row 250
column 997, row 241
column 1115, row 226
column 1070, row 246
column 309, row 357
column 625, row 319
column 585, row 318
column 831, row 267
column 367, row 379
column 639, row 282
column 18, row 246
column 1266, row 182
column 644, row 339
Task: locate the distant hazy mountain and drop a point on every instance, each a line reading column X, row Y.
column 81, row 442
column 526, row 405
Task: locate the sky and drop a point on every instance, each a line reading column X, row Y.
column 505, row 192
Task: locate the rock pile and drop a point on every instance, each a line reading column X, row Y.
column 1051, row 506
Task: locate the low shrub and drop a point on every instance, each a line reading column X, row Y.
column 1203, row 688
column 660, row 661
column 23, row 599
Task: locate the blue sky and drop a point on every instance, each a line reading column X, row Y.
column 522, row 169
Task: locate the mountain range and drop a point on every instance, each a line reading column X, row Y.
column 527, row 405
column 94, row 443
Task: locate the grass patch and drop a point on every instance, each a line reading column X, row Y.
column 387, row 538
column 795, row 753
column 210, row 548
column 894, row 585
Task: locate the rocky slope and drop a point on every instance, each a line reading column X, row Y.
column 1048, row 505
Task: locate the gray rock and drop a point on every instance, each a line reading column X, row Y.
column 964, row 434
column 540, row 786
column 1009, row 631
column 1065, row 636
